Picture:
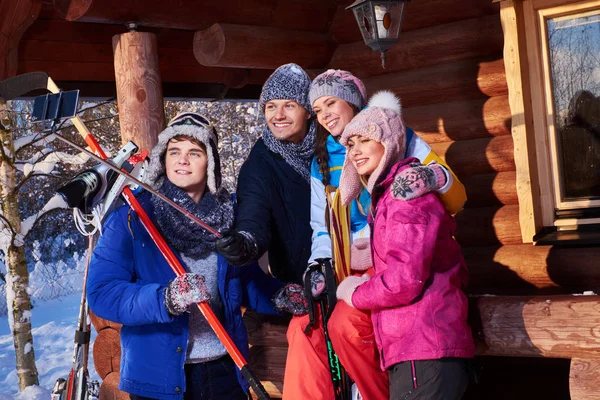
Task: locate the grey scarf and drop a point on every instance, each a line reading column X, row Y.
column 185, row 235
column 298, row 156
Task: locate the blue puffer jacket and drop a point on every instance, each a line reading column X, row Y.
column 126, row 281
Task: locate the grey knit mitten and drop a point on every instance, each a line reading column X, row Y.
column 184, row 291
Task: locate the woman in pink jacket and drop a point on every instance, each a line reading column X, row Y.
column 416, row 298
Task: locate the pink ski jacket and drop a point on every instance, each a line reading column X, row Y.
column 416, row 298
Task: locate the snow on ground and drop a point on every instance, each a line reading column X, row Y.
column 54, row 323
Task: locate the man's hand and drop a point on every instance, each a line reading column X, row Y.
column 418, row 180
column 184, row 291
column 290, row 298
column 238, row 248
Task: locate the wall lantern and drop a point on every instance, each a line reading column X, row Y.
column 379, row 22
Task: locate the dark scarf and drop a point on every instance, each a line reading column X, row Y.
column 186, row 236
column 298, row 156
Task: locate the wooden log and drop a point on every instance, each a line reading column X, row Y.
column 584, row 379
column 525, row 269
column 486, row 226
column 109, row 390
column 477, row 156
column 63, row 61
column 491, row 189
column 551, row 326
column 262, row 329
column 419, row 15
column 444, row 83
column 268, row 363
column 193, row 15
column 477, row 37
column 15, row 17
column 274, row 389
column 244, row 46
column 101, row 323
column 460, row 120
column 139, row 90
column 107, row 352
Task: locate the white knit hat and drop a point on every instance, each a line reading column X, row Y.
column 195, row 126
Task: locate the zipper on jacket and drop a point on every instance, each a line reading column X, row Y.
column 414, row 374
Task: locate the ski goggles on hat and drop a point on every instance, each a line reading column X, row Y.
column 190, row 118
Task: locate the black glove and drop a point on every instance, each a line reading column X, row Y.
column 290, row 298
column 238, row 248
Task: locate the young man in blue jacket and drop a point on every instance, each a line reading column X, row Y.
column 169, row 351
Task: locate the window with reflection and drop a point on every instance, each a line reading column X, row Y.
column 573, row 46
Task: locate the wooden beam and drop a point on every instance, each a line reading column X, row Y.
column 477, row 37
column 517, row 77
column 551, row 326
column 419, row 14
column 15, row 17
column 487, row 226
column 460, row 120
column 139, row 88
column 584, row 379
column 229, row 45
column 444, row 83
column 491, row 189
column 486, row 155
column 193, row 15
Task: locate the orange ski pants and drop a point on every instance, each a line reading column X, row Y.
column 307, row 373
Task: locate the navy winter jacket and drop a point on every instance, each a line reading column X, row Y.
column 274, row 206
column 126, row 284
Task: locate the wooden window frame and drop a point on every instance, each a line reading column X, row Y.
column 527, row 70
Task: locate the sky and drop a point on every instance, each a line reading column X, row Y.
column 54, row 323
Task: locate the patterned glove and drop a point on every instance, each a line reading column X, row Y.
column 360, row 255
column 317, row 280
column 183, row 291
column 238, row 248
column 347, row 287
column 290, row 298
column 418, row 180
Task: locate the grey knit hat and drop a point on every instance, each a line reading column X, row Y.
column 194, row 126
column 288, row 82
column 339, row 83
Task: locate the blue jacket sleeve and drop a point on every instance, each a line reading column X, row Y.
column 112, row 290
column 259, row 289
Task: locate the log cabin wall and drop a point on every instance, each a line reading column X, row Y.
column 448, row 70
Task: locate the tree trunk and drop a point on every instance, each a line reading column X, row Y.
column 17, row 277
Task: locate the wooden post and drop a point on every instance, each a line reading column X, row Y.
column 139, row 91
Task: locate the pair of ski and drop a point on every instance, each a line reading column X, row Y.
column 77, row 386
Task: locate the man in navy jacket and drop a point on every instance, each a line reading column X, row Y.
column 274, row 183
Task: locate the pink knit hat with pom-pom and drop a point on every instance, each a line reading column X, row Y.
column 380, row 121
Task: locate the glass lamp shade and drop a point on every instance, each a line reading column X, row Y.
column 379, row 21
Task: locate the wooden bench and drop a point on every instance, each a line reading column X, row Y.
column 565, row 326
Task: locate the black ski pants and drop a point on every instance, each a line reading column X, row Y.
column 442, row 379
